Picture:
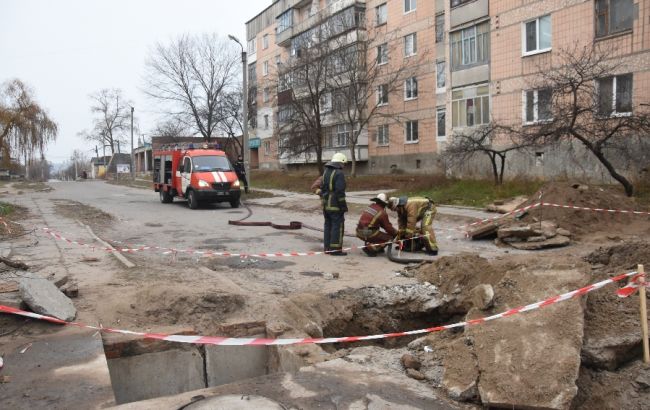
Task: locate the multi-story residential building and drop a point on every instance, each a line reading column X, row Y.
column 471, row 62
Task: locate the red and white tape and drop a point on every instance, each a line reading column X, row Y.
column 237, row 341
column 584, row 208
column 636, row 282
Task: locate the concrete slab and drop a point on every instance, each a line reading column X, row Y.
column 43, row 297
column 65, row 370
column 226, row 364
column 156, row 374
column 335, row 384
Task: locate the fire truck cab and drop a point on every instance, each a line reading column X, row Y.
column 199, row 175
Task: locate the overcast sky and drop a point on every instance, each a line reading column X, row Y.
column 68, row 49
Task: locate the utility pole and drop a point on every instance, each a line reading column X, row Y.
column 132, row 163
column 246, row 148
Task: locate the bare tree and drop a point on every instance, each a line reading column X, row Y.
column 480, row 140
column 589, row 101
column 172, row 128
column 363, row 80
column 191, row 76
column 231, row 124
column 25, row 127
column 112, row 118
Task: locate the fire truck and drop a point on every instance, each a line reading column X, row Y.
column 201, row 175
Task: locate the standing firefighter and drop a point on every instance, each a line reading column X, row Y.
column 332, row 193
column 410, row 211
column 240, row 170
column 369, row 229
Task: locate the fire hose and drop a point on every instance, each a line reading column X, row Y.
column 295, row 225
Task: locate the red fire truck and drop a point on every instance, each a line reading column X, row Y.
column 200, row 175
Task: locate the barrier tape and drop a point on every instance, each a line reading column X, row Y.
column 238, row 341
column 126, row 248
column 635, row 283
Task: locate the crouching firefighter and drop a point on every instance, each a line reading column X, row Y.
column 369, row 229
column 410, row 211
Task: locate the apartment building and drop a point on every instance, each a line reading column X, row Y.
column 470, row 62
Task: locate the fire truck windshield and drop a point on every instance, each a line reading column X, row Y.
column 210, row 163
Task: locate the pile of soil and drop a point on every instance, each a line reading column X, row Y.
column 580, row 222
column 457, row 273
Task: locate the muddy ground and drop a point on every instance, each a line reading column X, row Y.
column 316, row 298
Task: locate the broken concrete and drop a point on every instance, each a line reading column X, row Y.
column 410, row 362
column 554, row 242
column 506, row 206
column 522, row 232
column 460, row 372
column 43, row 297
column 546, row 342
column 482, row 296
column 484, row 231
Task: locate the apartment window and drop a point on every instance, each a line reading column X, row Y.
column 537, row 105
column 411, row 88
column 382, row 53
column 382, row 94
column 266, row 95
column 265, row 68
column 411, row 129
column 382, row 135
column 340, row 136
column 382, row 14
column 410, row 44
column 440, row 28
column 265, row 41
column 441, row 79
column 470, row 107
column 455, row 3
column 615, row 95
column 278, row 60
column 470, row 46
column 252, row 46
column 266, row 122
column 284, row 114
column 613, row 16
column 410, row 5
column 326, row 102
column 267, row 147
column 536, row 35
column 441, row 124
column 285, row 21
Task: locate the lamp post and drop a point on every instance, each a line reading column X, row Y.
column 132, row 162
column 246, row 149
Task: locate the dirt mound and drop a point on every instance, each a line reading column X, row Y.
column 581, row 222
column 203, row 310
column 624, row 256
column 628, row 388
column 459, row 272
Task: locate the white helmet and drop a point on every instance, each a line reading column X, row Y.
column 339, row 157
column 381, row 198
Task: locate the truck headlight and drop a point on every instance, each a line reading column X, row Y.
column 203, row 184
column 236, row 183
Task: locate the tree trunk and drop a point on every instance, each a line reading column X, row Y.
column 353, row 159
column 503, row 166
column 495, row 172
column 629, row 188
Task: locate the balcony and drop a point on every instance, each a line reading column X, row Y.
column 283, row 38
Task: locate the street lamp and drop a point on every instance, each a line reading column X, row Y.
column 132, row 162
column 245, row 110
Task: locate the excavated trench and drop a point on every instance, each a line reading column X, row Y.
column 143, row 368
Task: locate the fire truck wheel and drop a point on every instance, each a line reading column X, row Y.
column 234, row 203
column 165, row 197
column 192, row 202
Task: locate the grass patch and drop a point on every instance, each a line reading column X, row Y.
column 6, row 209
column 437, row 187
column 138, row 183
column 253, row 194
column 30, row 186
column 476, row 193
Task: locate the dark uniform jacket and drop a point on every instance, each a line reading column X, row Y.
column 375, row 217
column 240, row 169
column 332, row 188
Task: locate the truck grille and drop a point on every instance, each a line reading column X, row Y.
column 221, row 185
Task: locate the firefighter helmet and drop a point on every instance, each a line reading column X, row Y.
column 339, row 157
column 380, row 198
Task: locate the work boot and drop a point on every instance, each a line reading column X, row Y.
column 369, row 252
column 432, row 252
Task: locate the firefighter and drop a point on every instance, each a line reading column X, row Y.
column 240, row 170
column 410, row 211
column 332, row 193
column 373, row 219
